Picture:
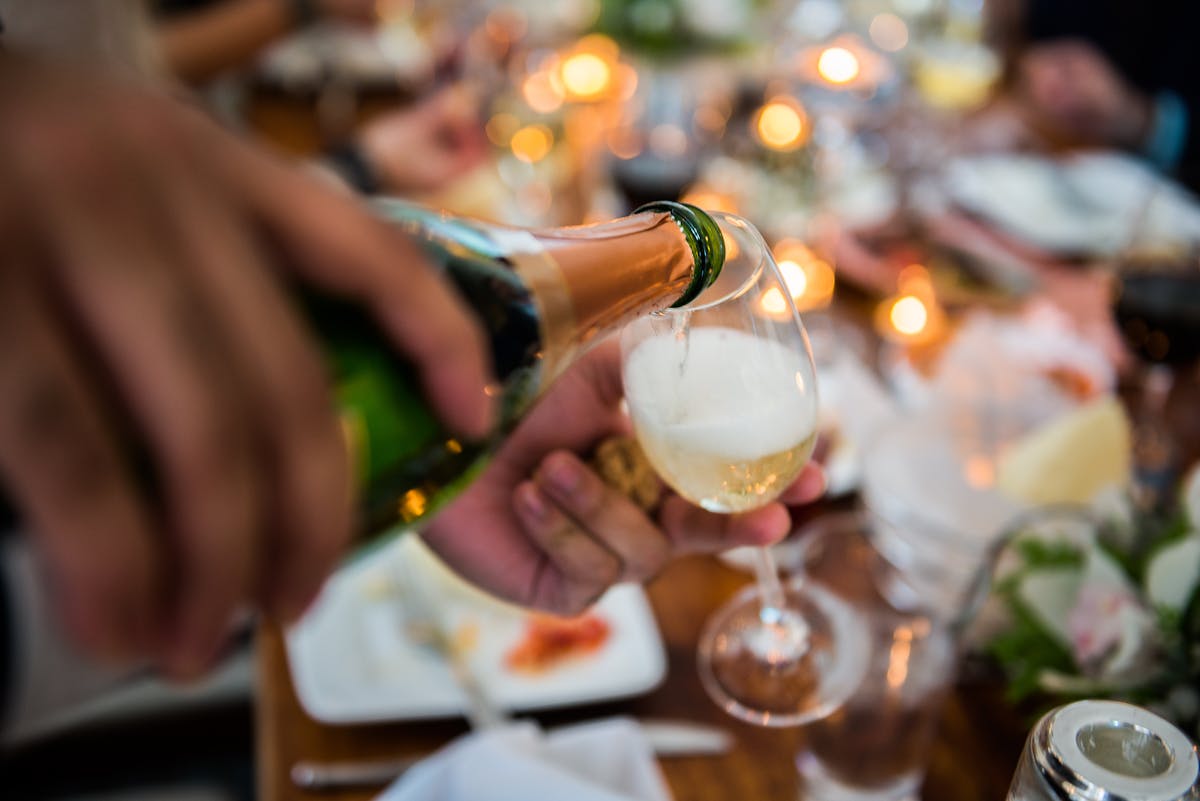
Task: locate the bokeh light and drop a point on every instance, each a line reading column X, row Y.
column 532, row 143
column 624, row 142
column 794, row 278
column 838, row 65
column 810, row 279
column 889, row 32
column 542, row 91
column 782, row 125
column 586, row 76
column 710, row 199
column 908, row 315
column 501, row 127
column 774, row 303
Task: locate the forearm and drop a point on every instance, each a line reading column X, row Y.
column 200, row 45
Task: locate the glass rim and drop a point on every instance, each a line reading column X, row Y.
column 755, row 268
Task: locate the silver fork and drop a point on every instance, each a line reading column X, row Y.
column 426, row 625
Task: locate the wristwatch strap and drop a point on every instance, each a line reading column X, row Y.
column 304, row 12
column 349, row 162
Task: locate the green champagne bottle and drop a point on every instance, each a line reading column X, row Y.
column 542, row 297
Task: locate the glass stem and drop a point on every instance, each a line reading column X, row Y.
column 769, row 586
column 1154, row 450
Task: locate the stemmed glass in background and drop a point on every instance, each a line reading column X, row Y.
column 1156, row 305
column 723, row 398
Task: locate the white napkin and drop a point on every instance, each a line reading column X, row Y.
column 606, row 760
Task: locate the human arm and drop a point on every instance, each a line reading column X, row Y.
column 143, row 300
column 415, row 149
column 1074, row 88
column 199, row 45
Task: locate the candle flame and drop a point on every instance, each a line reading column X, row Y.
column 773, row 302
column 532, row 143
column 898, row 658
column 810, row 279
column 586, row 76
column 908, row 315
column 782, row 124
column 794, row 278
column 838, row 65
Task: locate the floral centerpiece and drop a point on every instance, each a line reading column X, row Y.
column 1107, row 604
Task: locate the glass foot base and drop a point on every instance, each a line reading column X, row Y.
column 788, row 670
column 818, row 784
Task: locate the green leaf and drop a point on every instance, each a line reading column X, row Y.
column 1038, row 553
column 1025, row 650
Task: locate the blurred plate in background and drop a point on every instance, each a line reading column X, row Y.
column 1085, row 206
column 356, row 657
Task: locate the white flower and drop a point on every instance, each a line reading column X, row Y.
column 1174, row 572
column 1113, row 636
column 1096, row 614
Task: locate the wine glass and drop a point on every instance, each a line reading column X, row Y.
column 723, row 397
column 1157, row 310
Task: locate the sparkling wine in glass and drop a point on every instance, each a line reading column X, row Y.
column 723, row 397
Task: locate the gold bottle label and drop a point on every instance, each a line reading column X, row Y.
column 544, row 278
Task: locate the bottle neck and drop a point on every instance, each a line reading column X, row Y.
column 591, row 279
column 619, row 270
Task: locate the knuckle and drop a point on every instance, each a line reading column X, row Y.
column 647, row 564
column 143, row 127
column 212, row 451
column 606, row 571
column 69, row 160
column 306, row 398
column 579, row 599
column 62, row 448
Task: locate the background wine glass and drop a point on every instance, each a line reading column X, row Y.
column 1156, row 306
column 723, row 397
column 1157, row 309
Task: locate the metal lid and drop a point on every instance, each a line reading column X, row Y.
column 1110, row 751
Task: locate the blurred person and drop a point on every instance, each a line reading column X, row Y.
column 144, row 271
column 410, row 150
column 201, row 39
column 413, row 150
column 1108, row 73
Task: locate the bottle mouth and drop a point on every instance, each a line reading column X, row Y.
column 745, row 256
column 1108, row 749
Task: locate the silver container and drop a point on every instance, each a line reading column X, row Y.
column 1106, row 751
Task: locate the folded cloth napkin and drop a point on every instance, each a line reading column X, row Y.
column 606, row 760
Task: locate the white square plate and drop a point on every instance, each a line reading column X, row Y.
column 353, row 659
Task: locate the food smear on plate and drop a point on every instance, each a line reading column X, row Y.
column 550, row 641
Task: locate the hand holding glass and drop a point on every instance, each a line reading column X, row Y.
column 723, row 398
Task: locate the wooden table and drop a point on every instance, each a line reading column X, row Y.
column 973, row 758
